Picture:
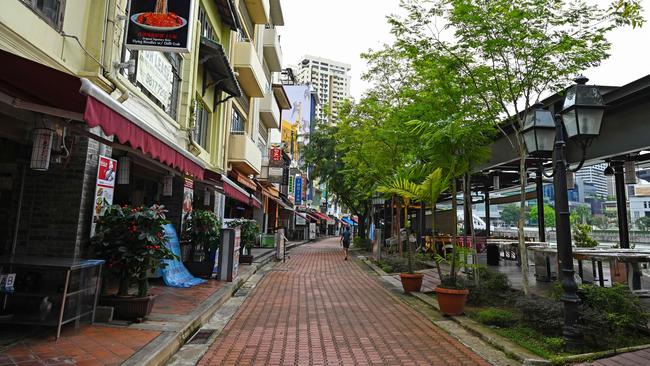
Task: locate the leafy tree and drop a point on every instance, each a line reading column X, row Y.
column 549, row 215
column 643, row 223
column 510, row 214
column 579, row 214
column 512, row 52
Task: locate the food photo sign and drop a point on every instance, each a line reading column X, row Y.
column 160, row 25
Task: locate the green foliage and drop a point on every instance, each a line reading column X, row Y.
column 496, row 317
column 397, row 264
column 549, row 215
column 541, row 314
column 454, row 283
column 203, row 228
column 362, row 243
column 580, row 215
column 582, row 238
column 249, row 231
column 643, row 223
column 529, row 338
column 493, row 289
column 132, row 242
column 611, row 316
column 510, row 214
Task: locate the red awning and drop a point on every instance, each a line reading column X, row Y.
column 126, row 132
column 322, row 216
column 234, row 193
column 32, row 86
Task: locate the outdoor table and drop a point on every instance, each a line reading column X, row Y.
column 510, row 247
column 632, row 257
column 68, row 287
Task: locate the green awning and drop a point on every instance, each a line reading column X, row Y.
column 214, row 60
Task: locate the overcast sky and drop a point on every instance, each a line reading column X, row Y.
column 342, row 29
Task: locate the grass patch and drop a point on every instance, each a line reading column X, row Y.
column 535, row 342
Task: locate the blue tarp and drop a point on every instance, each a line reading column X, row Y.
column 174, row 273
column 349, row 222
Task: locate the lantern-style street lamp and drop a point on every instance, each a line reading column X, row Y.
column 582, row 118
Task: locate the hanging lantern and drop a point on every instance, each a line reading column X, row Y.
column 496, row 182
column 42, row 148
column 206, row 197
column 168, row 183
column 539, row 131
column 123, row 170
column 630, row 172
column 570, row 180
column 583, row 110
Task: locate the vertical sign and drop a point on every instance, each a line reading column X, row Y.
column 188, row 198
column 163, row 25
column 290, row 180
column 298, row 190
column 103, row 188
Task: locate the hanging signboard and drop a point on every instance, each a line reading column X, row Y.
column 160, row 25
column 103, row 188
column 298, row 190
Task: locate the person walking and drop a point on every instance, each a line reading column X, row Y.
column 345, row 240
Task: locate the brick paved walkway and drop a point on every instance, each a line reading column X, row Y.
column 638, row 358
column 317, row 309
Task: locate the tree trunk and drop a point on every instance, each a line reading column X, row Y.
column 398, row 224
column 433, row 232
column 454, row 233
column 523, row 254
column 471, row 230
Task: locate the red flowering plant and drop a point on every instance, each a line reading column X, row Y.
column 132, row 242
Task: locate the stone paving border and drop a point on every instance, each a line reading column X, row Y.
column 474, row 328
column 163, row 347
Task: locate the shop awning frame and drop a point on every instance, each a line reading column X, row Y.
column 214, row 59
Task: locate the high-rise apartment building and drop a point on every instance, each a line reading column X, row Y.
column 594, row 176
column 330, row 79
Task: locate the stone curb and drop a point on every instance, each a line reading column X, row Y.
column 163, row 347
column 487, row 335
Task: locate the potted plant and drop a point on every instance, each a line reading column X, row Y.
column 249, row 233
column 402, row 185
column 582, row 238
column 203, row 231
column 132, row 242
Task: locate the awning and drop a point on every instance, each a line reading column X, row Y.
column 215, row 61
column 255, row 202
column 322, row 216
column 28, row 85
column 234, row 191
column 512, row 198
column 348, row 221
column 301, row 214
column 243, row 180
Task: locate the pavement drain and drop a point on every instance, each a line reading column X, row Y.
column 202, row 336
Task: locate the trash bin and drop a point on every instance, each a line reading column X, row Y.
column 493, row 256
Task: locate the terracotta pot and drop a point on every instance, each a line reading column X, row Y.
column 411, row 282
column 129, row 307
column 451, row 301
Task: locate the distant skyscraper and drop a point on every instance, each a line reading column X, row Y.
column 594, row 176
column 331, row 81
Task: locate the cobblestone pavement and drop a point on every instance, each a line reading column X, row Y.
column 317, row 309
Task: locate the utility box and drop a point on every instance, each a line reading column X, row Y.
column 228, row 268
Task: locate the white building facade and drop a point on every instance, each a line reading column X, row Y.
column 330, row 79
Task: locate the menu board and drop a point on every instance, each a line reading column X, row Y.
column 104, row 188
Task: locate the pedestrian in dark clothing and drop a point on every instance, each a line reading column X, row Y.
column 345, row 240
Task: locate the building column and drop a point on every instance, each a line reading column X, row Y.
column 621, row 204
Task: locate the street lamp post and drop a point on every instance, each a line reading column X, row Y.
column 544, row 136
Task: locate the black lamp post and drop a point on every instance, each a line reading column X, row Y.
column 544, row 137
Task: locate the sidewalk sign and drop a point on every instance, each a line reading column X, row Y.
column 104, row 188
column 228, row 264
column 279, row 248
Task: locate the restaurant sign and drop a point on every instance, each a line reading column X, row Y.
column 160, row 25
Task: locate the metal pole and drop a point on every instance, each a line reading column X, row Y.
column 571, row 332
column 541, row 225
column 621, row 204
column 487, row 210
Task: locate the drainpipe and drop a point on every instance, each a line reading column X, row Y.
column 107, row 50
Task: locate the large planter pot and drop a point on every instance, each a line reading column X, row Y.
column 129, row 307
column 451, row 301
column 411, row 282
column 205, row 268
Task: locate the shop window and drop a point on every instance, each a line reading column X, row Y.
column 238, row 125
column 157, row 75
column 200, row 132
column 49, row 10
